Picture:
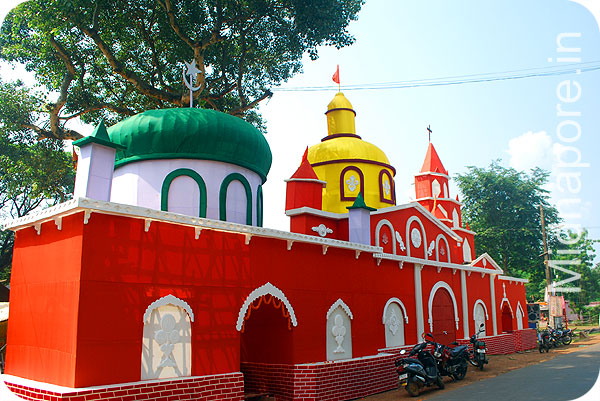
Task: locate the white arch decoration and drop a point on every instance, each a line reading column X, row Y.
column 408, row 242
column 345, row 307
column 265, row 289
column 437, row 247
column 437, row 286
column 520, row 316
column 169, row 300
column 479, row 301
column 385, row 222
column 390, row 301
column 502, row 303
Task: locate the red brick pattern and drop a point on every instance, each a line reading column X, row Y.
column 519, row 340
column 338, row 380
column 228, row 387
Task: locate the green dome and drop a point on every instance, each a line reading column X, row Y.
column 190, row 133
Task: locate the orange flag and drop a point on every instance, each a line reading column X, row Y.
column 336, row 76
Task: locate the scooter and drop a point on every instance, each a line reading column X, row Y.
column 478, row 354
column 420, row 372
column 452, row 361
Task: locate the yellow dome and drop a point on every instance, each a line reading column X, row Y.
column 340, row 102
column 345, row 149
column 349, row 165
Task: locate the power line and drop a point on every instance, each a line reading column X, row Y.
column 579, row 68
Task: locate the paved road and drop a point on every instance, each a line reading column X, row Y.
column 565, row 377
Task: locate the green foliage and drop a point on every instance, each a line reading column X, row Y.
column 33, row 173
column 576, row 252
column 113, row 58
column 502, row 206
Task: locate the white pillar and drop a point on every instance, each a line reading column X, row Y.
column 493, row 296
column 419, row 302
column 465, row 305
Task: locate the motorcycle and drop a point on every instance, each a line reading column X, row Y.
column 544, row 341
column 452, row 361
column 563, row 336
column 417, row 373
column 478, row 354
column 554, row 337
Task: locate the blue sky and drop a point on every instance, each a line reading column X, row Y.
column 473, row 124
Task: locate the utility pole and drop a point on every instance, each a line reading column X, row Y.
column 546, row 261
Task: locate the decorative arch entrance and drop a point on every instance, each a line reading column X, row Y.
column 265, row 323
column 507, row 319
column 442, row 315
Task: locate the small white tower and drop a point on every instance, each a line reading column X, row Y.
column 95, row 165
column 359, row 221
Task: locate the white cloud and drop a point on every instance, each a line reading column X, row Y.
column 532, row 149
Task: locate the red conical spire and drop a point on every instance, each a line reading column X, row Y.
column 432, row 163
column 305, row 171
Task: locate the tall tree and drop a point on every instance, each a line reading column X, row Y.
column 502, row 206
column 576, row 253
column 33, row 173
column 113, row 58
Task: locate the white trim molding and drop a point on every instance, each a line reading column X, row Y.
column 432, row 173
column 266, row 289
column 515, row 279
column 169, row 300
column 419, row 300
column 83, row 205
column 315, row 212
column 345, row 307
column 437, row 286
column 484, row 258
column 388, row 303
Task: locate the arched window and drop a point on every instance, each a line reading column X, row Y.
column 387, row 192
column 223, row 196
column 167, row 339
column 181, row 193
column 436, row 188
column 339, row 331
column 352, row 182
column 480, row 315
column 394, row 318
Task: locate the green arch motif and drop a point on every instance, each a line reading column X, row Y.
column 223, row 196
column 259, row 206
column 164, row 192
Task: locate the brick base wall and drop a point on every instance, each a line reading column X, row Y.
column 336, row 380
column 226, row 387
column 517, row 341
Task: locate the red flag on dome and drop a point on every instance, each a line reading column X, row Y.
column 336, row 76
